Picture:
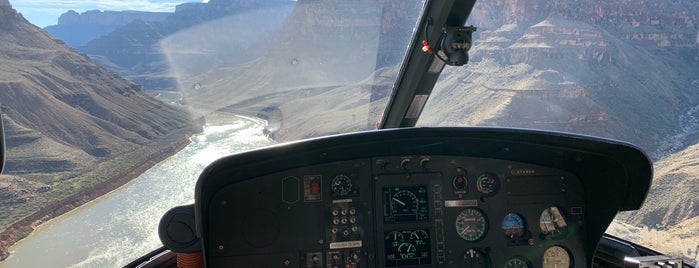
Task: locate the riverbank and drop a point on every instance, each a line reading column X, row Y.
column 141, row 160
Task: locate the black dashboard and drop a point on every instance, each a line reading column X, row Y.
column 421, row 197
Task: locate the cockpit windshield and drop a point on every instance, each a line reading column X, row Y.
column 245, row 74
column 594, row 71
column 286, row 63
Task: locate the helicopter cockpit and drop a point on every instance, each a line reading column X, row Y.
column 362, row 133
column 416, row 197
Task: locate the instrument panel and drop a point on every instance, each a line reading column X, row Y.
column 340, row 202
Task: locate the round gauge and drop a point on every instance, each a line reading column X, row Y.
column 341, row 185
column 471, row 224
column 475, row 258
column 556, row 257
column 513, row 225
column 517, row 262
column 488, row 184
column 404, row 202
column 553, row 222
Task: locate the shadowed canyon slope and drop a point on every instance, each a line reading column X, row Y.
column 48, row 90
column 74, row 129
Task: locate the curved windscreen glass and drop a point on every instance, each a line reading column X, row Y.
column 208, row 80
column 285, row 64
column 596, row 72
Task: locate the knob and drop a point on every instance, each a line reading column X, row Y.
column 406, row 164
column 425, row 163
column 384, row 165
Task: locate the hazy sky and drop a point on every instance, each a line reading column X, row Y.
column 46, row 12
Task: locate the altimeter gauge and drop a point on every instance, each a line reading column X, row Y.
column 556, row 257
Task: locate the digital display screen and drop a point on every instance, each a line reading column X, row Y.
column 407, row 247
column 405, row 204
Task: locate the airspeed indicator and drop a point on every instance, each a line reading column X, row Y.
column 471, row 224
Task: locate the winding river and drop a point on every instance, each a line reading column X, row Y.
column 121, row 226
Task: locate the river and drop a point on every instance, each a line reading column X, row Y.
column 121, row 226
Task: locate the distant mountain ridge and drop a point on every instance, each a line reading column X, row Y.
column 132, row 51
column 107, row 17
column 76, row 29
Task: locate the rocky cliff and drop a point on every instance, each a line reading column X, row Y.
column 676, row 176
column 580, row 64
column 110, row 18
column 671, row 25
column 67, row 120
column 76, row 29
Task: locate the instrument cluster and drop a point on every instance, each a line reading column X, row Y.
column 478, row 213
column 452, row 197
column 449, row 211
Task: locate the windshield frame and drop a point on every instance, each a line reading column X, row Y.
column 420, row 69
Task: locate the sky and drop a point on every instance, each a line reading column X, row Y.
column 43, row 13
